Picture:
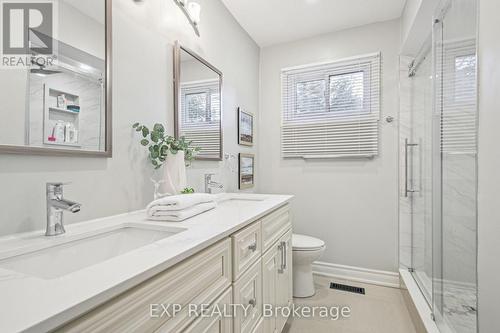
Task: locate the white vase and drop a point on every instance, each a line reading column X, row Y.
column 175, row 173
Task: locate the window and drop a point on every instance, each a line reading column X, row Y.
column 200, row 120
column 332, row 109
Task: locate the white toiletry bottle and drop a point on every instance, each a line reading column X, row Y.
column 71, row 133
column 59, row 130
column 62, row 101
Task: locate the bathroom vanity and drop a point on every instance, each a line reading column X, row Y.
column 125, row 274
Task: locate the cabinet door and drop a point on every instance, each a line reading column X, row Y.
column 270, row 265
column 284, row 288
column 277, row 283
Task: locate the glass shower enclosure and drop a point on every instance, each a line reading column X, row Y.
column 438, row 139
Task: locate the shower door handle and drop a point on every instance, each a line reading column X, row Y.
column 408, row 188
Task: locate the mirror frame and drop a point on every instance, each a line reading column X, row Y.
column 108, row 152
column 178, row 48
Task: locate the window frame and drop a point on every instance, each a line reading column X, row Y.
column 327, row 113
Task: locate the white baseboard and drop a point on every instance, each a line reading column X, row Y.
column 358, row 274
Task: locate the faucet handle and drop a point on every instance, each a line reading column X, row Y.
column 51, row 187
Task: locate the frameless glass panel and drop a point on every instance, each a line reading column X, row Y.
column 455, row 171
column 420, row 165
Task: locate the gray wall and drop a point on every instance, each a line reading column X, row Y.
column 143, row 37
column 489, row 162
column 351, row 204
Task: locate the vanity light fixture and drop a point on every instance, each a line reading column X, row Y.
column 192, row 10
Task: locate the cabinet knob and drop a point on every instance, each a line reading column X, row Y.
column 253, row 247
column 252, row 302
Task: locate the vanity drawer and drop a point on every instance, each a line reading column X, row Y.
column 275, row 225
column 247, row 248
column 213, row 324
column 197, row 280
column 247, row 291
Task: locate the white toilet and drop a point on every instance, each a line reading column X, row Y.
column 306, row 250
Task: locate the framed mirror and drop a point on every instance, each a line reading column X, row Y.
column 55, row 97
column 198, row 103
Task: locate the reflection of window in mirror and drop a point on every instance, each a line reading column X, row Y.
column 200, row 101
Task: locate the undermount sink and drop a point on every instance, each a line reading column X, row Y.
column 241, row 199
column 71, row 256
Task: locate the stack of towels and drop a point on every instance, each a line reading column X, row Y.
column 177, row 208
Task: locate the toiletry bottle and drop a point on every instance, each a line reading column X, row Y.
column 62, row 101
column 58, row 131
column 70, row 133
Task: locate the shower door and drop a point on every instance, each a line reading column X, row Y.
column 418, row 154
column 455, row 167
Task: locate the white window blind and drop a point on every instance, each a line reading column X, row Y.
column 457, row 96
column 200, row 119
column 332, row 109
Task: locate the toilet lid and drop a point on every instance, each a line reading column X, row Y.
column 306, row 243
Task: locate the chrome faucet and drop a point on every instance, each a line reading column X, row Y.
column 210, row 185
column 56, row 205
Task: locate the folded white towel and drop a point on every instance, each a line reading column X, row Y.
column 181, row 215
column 179, row 202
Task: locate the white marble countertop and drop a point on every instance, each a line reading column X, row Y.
column 33, row 304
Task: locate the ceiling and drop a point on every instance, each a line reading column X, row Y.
column 276, row 21
column 93, row 8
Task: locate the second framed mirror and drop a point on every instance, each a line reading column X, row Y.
column 198, row 103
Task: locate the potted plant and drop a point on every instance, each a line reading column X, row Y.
column 165, row 150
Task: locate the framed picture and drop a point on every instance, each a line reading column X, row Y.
column 247, row 171
column 245, row 128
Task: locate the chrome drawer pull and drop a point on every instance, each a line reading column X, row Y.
column 285, row 255
column 281, row 248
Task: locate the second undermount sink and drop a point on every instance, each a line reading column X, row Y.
column 67, row 257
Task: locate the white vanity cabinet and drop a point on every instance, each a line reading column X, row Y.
column 250, row 268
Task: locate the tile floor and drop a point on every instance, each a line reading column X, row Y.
column 381, row 310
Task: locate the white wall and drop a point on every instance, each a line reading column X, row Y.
column 142, row 91
column 489, row 162
column 408, row 16
column 416, row 25
column 351, row 204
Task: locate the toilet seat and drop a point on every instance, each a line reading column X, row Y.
column 306, row 243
